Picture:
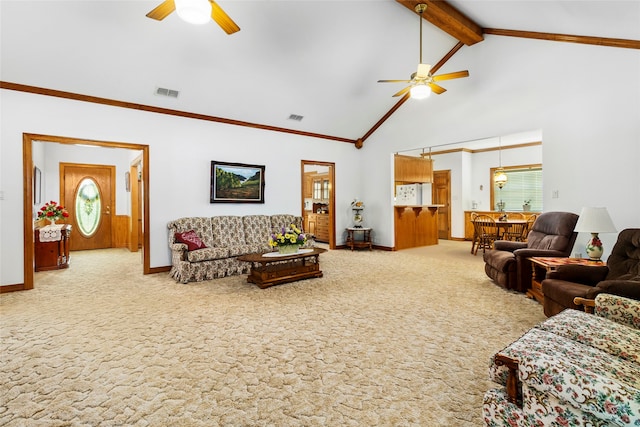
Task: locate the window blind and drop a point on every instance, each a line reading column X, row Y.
column 522, row 185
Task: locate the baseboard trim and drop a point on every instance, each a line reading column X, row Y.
column 154, row 270
column 11, row 288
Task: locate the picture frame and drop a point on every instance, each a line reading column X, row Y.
column 236, row 183
column 37, row 186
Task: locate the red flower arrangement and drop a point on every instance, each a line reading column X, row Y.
column 52, row 211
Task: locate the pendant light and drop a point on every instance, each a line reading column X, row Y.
column 499, row 177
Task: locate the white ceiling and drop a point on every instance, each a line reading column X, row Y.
column 318, row 59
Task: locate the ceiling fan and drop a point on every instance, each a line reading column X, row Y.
column 422, row 83
column 195, row 12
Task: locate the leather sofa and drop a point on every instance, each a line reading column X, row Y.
column 551, row 235
column 213, row 244
column 621, row 276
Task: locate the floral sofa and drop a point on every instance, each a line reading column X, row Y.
column 204, row 248
column 573, row 369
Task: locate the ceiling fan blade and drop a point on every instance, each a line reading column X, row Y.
column 394, row 81
column 403, row 91
column 162, row 10
column 436, row 89
column 449, row 76
column 220, row 16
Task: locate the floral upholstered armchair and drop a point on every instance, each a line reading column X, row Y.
column 574, row 369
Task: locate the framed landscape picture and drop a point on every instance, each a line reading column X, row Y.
column 236, row 183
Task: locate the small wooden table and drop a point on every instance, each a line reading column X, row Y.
column 271, row 268
column 541, row 265
column 52, row 251
column 352, row 242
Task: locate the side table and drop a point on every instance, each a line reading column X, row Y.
column 541, row 265
column 365, row 242
column 52, row 253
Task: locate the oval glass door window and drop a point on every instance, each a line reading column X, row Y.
column 88, row 207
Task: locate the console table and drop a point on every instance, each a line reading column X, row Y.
column 271, row 268
column 365, row 242
column 52, row 251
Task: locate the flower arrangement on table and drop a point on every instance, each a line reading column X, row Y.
column 52, row 211
column 288, row 240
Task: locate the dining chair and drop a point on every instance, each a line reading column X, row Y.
column 487, row 232
column 530, row 220
column 474, row 240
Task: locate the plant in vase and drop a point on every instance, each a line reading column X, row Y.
column 52, row 212
column 288, row 240
column 527, row 205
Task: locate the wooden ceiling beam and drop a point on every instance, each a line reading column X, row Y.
column 448, row 19
column 599, row 41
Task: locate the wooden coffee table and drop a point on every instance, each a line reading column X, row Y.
column 271, row 268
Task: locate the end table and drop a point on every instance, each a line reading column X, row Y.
column 365, row 242
column 541, row 265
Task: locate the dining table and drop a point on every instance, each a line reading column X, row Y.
column 503, row 226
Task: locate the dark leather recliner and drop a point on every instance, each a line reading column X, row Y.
column 551, row 235
column 621, row 276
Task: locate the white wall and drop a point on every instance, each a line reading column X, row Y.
column 584, row 99
column 181, row 151
column 54, row 154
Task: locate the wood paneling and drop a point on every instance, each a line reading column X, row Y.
column 121, row 231
column 415, row 226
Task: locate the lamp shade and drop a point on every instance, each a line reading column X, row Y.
column 196, row 12
column 420, row 91
column 595, row 220
column 500, row 178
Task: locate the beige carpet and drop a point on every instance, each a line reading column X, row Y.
column 383, row 339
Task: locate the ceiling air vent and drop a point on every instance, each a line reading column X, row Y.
column 296, row 117
column 167, row 92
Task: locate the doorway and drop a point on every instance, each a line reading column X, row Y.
column 28, row 207
column 441, row 194
column 88, row 192
column 318, row 200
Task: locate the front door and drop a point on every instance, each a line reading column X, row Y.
column 88, row 193
column 441, row 193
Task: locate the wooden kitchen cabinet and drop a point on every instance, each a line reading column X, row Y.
column 318, row 225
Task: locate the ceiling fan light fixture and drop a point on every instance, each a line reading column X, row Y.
column 195, row 12
column 420, row 91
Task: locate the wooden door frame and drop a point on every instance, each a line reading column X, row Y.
column 27, row 202
column 135, row 165
column 332, row 196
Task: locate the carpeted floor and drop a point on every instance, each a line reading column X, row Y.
column 383, row 339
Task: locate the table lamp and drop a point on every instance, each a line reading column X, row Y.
column 594, row 221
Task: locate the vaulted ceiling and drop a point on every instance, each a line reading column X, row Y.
column 317, row 59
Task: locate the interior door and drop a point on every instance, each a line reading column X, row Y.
column 88, row 193
column 441, row 193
